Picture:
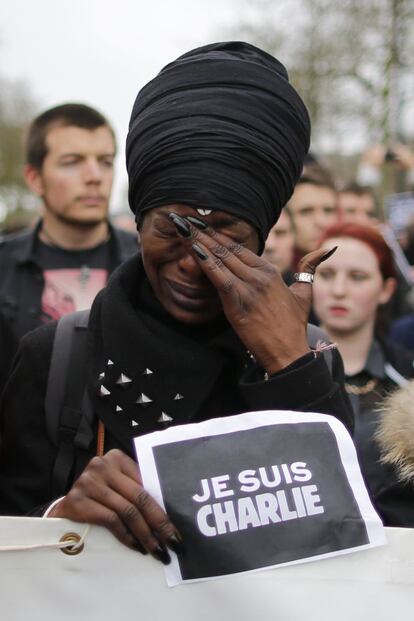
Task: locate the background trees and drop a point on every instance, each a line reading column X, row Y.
column 351, row 60
column 17, row 108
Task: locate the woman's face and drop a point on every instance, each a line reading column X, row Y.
column 349, row 287
column 176, row 278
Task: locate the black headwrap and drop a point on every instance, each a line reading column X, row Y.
column 219, row 128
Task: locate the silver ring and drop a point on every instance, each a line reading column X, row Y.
column 303, row 277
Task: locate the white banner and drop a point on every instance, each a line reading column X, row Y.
column 108, row 582
column 256, row 490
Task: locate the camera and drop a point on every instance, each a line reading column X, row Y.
column 389, row 156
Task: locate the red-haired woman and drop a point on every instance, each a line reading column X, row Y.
column 349, row 291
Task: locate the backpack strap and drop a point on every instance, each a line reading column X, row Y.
column 315, row 335
column 68, row 409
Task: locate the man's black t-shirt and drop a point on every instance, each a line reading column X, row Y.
column 72, row 278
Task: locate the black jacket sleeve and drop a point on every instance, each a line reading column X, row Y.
column 307, row 387
column 27, row 455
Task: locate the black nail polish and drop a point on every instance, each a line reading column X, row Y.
column 328, row 254
column 198, row 223
column 138, row 546
column 162, row 555
column 176, row 543
column 180, row 224
column 199, row 252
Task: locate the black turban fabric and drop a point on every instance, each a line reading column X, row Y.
column 219, row 128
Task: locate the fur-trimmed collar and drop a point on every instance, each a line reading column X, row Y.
column 395, row 433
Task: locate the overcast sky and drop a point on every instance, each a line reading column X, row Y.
column 102, row 52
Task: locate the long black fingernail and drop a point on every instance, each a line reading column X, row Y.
column 199, row 252
column 176, row 543
column 328, row 254
column 162, row 555
column 138, row 546
column 180, row 224
column 198, row 223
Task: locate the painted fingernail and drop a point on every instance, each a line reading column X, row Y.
column 328, row 254
column 199, row 252
column 198, row 223
column 138, row 546
column 176, row 543
column 180, row 224
column 161, row 554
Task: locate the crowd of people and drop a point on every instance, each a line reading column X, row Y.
column 242, row 239
column 362, row 303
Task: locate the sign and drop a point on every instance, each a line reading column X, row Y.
column 399, row 209
column 257, row 490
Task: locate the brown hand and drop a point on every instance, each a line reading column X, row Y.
column 308, row 264
column 110, row 493
column 269, row 317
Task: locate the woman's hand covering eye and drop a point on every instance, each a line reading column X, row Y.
column 269, row 317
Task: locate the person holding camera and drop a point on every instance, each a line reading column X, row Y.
column 374, row 158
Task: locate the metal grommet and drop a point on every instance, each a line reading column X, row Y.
column 73, row 549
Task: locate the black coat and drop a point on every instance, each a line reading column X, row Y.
column 387, row 365
column 394, row 497
column 395, row 438
column 27, row 455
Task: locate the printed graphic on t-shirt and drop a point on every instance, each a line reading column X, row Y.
column 69, row 290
